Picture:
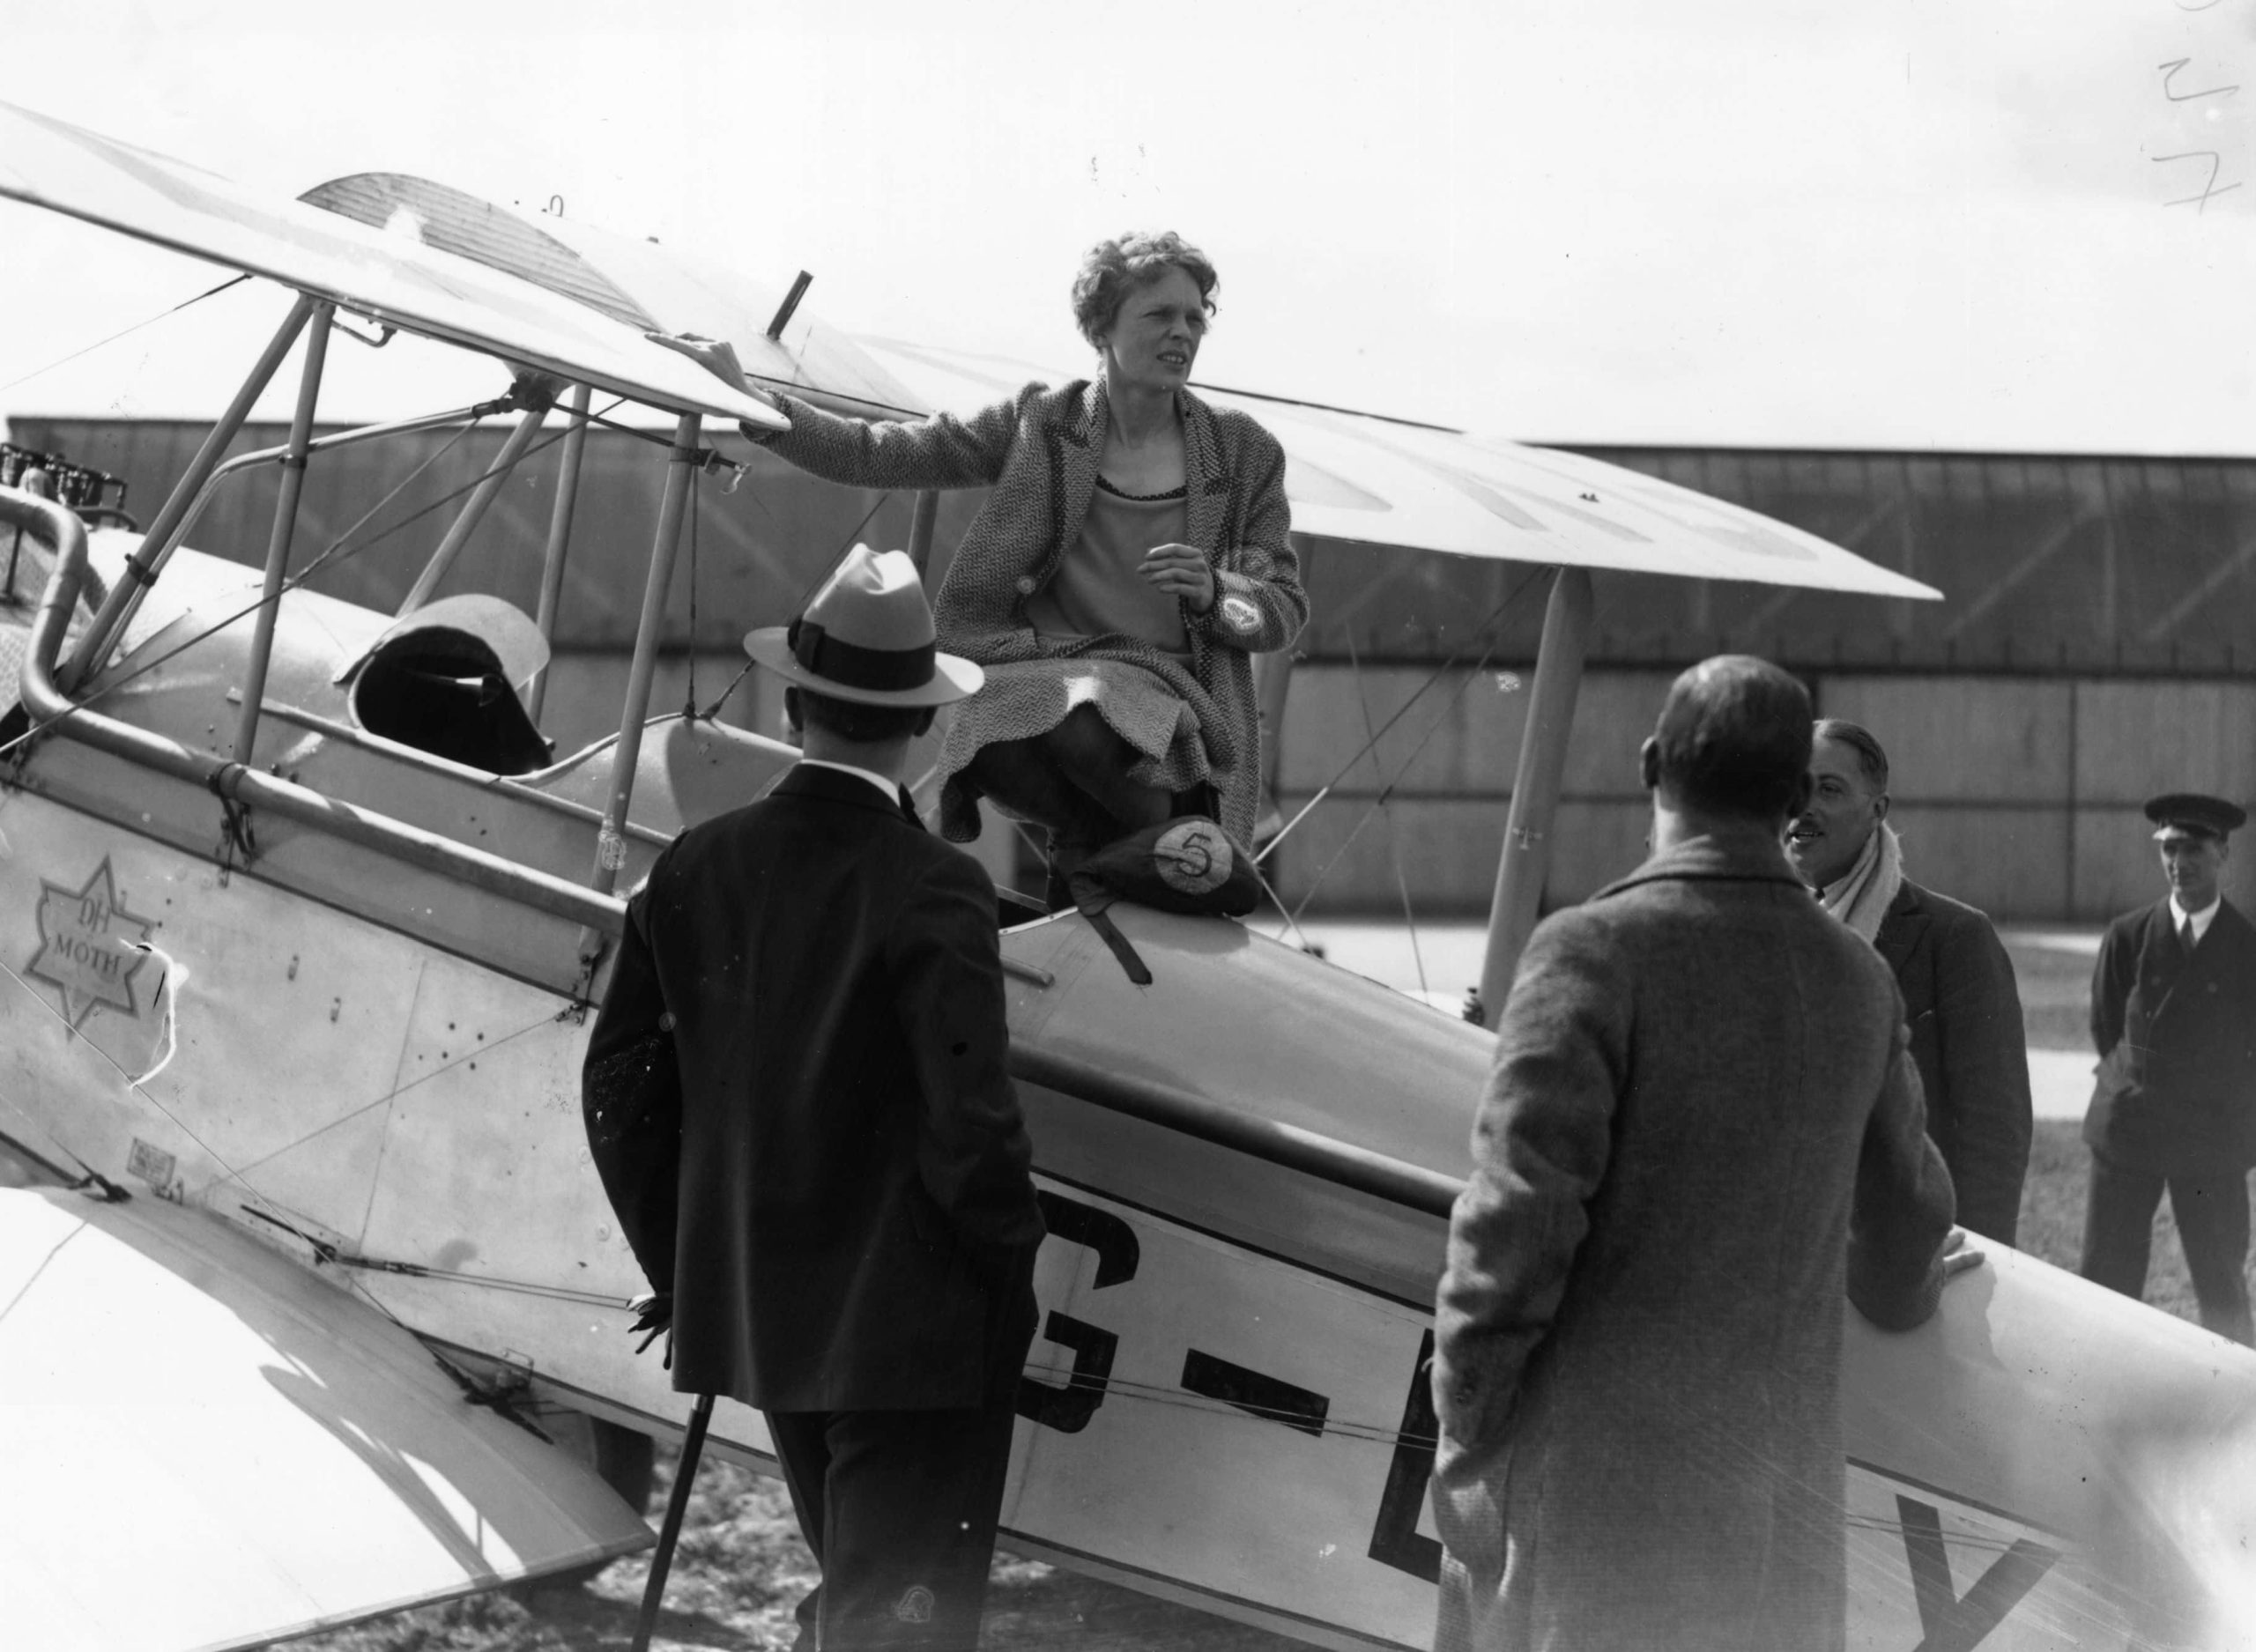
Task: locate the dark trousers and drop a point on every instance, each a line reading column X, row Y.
column 900, row 1509
column 2212, row 1214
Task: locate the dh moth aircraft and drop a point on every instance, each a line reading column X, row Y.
column 302, row 1258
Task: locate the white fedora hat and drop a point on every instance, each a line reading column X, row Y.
column 867, row 636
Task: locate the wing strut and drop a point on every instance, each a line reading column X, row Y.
column 537, row 401
column 1527, row 856
column 93, row 643
column 559, row 540
column 610, row 843
column 285, row 527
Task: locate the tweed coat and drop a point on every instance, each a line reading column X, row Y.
column 856, row 1222
column 1039, row 451
column 1702, row 1127
column 2176, row 1039
column 1963, row 1009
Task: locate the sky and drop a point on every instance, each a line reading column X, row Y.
column 1975, row 224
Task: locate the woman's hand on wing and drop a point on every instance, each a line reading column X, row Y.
column 717, row 357
column 1181, row 570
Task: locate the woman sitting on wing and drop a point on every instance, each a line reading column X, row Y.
column 1134, row 554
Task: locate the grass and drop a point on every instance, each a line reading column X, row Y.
column 2052, row 1217
column 742, row 1567
column 740, row 1570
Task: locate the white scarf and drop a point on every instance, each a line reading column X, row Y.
column 1863, row 895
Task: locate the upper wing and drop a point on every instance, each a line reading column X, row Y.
column 206, row 1445
column 1376, row 481
column 394, row 278
column 650, row 287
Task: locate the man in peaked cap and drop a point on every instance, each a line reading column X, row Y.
column 854, row 1247
column 2173, row 1014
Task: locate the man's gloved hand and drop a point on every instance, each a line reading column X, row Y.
column 653, row 1312
column 1958, row 1253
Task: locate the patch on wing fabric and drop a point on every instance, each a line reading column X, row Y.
column 915, row 1606
column 89, row 946
column 1193, row 856
column 1240, row 615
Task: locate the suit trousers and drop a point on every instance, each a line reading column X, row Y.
column 900, row 1509
column 2212, row 1214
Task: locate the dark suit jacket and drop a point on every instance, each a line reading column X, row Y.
column 2176, row 1041
column 1970, row 1046
column 857, row 1223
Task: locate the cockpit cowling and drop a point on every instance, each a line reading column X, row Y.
column 446, row 680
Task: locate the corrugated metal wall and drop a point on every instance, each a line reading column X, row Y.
column 756, row 551
column 2021, row 794
column 2097, row 644
column 2078, row 565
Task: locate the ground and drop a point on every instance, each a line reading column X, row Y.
column 740, row 1570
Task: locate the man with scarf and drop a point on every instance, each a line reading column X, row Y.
column 1959, row 998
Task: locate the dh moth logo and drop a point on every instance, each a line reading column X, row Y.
column 88, row 947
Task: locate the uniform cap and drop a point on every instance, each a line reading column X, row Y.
column 2191, row 812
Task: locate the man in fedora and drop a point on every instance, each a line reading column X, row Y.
column 2173, row 1014
column 854, row 1247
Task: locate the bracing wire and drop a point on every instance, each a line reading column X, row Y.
column 1393, row 840
column 237, row 1173
column 1402, row 711
column 1388, row 786
column 338, row 551
column 829, row 568
column 150, row 321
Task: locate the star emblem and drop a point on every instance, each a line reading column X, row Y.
column 85, row 946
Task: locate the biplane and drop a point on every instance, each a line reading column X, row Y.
column 302, row 1253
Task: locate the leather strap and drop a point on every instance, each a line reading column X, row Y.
column 1092, row 898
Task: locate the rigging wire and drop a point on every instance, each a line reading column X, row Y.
column 1385, row 791
column 722, row 699
column 239, row 1173
column 1393, row 842
column 235, row 1172
column 852, row 539
column 123, row 332
column 132, row 1084
column 1402, row 711
column 1479, row 666
column 338, row 551
column 1269, row 892
column 829, row 568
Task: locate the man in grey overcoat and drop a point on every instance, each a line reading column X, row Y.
column 1703, row 1130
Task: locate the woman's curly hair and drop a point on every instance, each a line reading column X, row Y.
column 1111, row 269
